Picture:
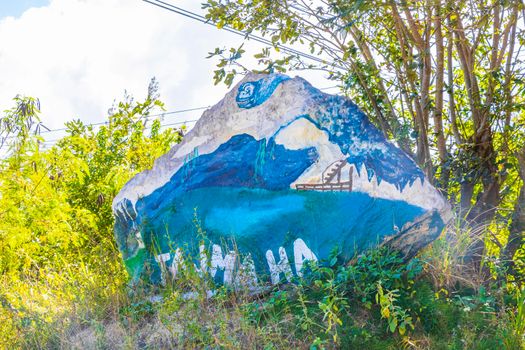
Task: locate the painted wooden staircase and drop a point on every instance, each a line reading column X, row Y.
column 327, row 178
column 333, row 170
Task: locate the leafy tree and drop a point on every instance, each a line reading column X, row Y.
column 443, row 78
column 57, row 250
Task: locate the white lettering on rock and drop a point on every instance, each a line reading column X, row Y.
column 177, row 263
column 161, row 260
column 246, row 276
column 203, row 258
column 235, row 273
column 302, row 253
column 226, row 263
column 283, row 266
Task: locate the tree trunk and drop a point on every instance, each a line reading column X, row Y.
column 438, row 111
column 488, row 200
column 517, row 226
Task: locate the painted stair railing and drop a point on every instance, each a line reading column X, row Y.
column 327, row 177
column 334, row 169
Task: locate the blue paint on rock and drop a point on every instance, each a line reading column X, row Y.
column 240, row 162
column 348, row 127
column 362, row 142
column 255, row 93
column 258, row 220
column 241, row 192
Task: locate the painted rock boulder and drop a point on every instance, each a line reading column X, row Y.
column 275, row 174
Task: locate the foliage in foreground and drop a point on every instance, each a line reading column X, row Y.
column 377, row 302
column 63, row 285
column 57, row 252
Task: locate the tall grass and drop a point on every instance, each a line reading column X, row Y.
column 378, row 301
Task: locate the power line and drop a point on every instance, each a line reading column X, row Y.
column 178, row 123
column 160, row 115
column 144, row 117
column 202, row 19
column 149, row 127
column 329, row 87
column 151, row 116
column 50, row 143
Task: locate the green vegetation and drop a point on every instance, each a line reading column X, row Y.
column 442, row 78
column 63, row 284
column 57, row 253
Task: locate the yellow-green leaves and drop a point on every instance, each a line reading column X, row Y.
column 57, row 252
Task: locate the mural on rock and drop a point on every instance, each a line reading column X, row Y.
column 274, row 175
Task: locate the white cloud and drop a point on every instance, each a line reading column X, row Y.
column 77, row 56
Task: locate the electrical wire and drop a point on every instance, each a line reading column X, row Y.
column 144, row 117
column 160, row 115
column 49, row 143
column 202, row 19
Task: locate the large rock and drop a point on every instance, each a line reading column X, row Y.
column 275, row 174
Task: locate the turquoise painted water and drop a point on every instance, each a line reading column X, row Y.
column 257, row 220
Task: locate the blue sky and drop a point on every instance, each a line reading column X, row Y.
column 15, row 8
column 79, row 56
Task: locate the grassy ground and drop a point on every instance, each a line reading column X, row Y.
column 375, row 302
column 63, row 284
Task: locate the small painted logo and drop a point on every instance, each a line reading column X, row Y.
column 255, row 93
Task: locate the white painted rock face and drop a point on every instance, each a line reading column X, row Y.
column 283, row 173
